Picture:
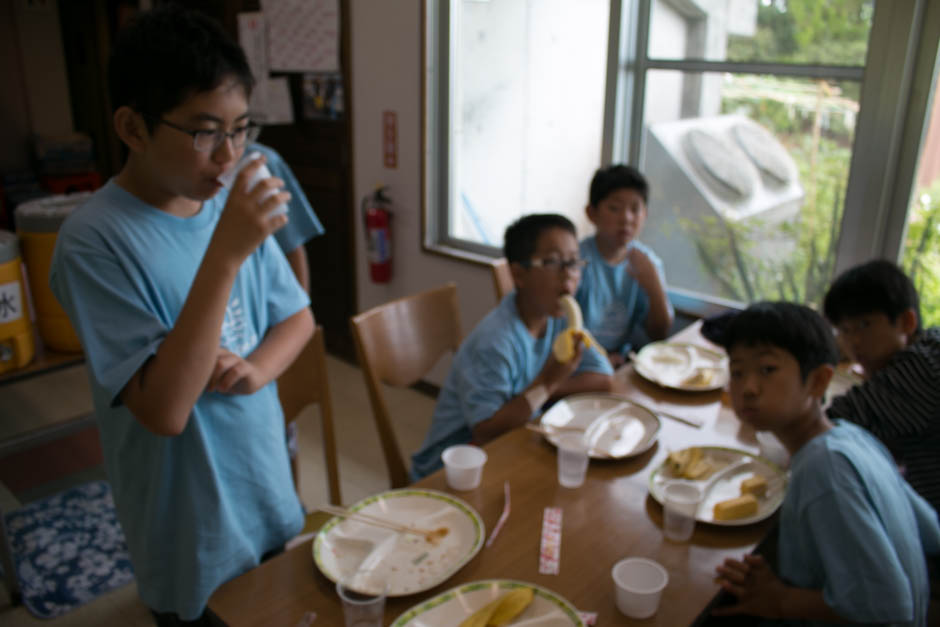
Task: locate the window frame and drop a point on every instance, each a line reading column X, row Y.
column 896, row 90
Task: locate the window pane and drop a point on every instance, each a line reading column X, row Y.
column 921, row 257
column 527, row 111
column 747, row 180
column 815, row 32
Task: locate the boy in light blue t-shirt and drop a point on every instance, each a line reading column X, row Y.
column 623, row 289
column 504, row 370
column 187, row 311
column 852, row 534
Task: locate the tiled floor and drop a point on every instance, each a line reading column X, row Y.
column 361, row 466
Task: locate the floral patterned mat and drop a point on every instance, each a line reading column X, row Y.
column 68, row 549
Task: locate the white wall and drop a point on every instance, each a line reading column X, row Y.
column 386, row 76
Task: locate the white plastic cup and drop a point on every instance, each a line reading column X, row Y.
column 228, row 179
column 638, row 585
column 772, row 449
column 463, row 464
column 681, row 501
column 361, row 610
column 572, row 460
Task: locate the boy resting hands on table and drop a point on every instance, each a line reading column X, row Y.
column 852, row 532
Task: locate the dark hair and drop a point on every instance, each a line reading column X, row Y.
column 164, row 56
column 794, row 328
column 522, row 235
column 875, row 286
column 610, row 179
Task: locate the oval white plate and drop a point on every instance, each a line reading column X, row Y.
column 406, row 561
column 725, row 483
column 614, row 427
column 675, row 365
column 450, row 608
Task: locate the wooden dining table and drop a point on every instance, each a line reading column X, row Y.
column 611, row 516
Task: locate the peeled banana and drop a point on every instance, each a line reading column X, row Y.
column 689, row 463
column 564, row 345
column 501, row 611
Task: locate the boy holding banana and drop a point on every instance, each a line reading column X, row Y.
column 506, row 368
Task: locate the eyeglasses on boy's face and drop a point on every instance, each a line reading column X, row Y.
column 558, row 264
column 210, row 141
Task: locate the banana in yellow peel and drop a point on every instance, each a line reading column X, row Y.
column 513, row 604
column 564, row 345
column 501, row 611
column 482, row 616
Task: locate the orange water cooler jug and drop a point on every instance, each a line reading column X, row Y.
column 37, row 224
column 17, row 347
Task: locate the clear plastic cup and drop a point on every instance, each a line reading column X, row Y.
column 638, row 585
column 463, row 464
column 359, row 609
column 260, row 174
column 572, row 460
column 772, row 449
column 681, row 501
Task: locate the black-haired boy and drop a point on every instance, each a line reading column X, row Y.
column 187, row 311
column 875, row 310
column 852, row 532
column 505, row 370
column 623, row 289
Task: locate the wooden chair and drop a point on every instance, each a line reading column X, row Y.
column 305, row 383
column 502, row 278
column 397, row 344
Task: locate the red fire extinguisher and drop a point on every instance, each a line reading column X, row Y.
column 377, row 218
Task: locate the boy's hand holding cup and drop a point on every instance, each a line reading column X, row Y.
column 255, row 200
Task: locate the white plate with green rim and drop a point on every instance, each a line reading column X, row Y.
column 457, row 604
column 731, row 467
column 614, row 427
column 682, row 366
column 407, row 562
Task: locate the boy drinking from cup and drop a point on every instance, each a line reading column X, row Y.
column 505, row 369
column 852, row 532
column 187, row 311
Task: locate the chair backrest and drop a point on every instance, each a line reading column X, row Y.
column 304, row 383
column 397, row 344
column 502, row 277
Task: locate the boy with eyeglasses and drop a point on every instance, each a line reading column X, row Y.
column 505, row 370
column 187, row 311
column 876, row 311
column 623, row 288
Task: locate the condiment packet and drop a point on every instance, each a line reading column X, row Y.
column 550, row 550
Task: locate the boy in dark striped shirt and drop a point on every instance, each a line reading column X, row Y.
column 876, row 312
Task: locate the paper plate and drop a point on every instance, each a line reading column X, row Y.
column 450, row 608
column 408, row 562
column 682, row 366
column 614, row 427
column 732, row 467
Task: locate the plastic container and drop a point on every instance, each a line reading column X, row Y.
column 638, row 585
column 37, row 223
column 463, row 464
column 17, row 347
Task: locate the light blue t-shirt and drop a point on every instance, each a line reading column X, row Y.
column 852, row 527
column 612, row 302
column 495, row 363
column 302, row 223
column 202, row 507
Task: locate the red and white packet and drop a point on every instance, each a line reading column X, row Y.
column 550, row 549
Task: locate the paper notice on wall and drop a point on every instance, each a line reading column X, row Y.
column 251, row 37
column 280, row 109
column 303, row 35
